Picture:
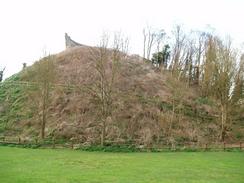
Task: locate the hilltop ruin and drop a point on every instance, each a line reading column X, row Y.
column 69, row 43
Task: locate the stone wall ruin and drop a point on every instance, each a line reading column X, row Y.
column 69, row 43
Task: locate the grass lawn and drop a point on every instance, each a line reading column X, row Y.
column 21, row 165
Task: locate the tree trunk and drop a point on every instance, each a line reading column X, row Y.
column 223, row 122
column 197, row 75
column 172, row 118
column 43, row 125
column 144, row 43
column 189, row 75
column 44, row 109
column 103, row 133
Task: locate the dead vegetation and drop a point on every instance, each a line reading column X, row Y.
column 101, row 95
column 117, row 99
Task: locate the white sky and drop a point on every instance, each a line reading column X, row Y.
column 30, row 26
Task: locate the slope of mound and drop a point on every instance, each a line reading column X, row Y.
column 96, row 93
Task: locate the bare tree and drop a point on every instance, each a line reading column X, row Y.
column 144, row 42
column 219, row 76
column 106, row 63
column 149, row 39
column 178, row 50
column 45, row 77
column 209, row 66
column 225, row 73
column 159, row 40
column 238, row 91
column 200, row 48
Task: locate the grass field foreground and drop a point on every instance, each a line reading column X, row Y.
column 19, row 165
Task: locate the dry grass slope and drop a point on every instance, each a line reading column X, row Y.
column 148, row 106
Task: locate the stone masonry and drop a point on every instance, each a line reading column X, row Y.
column 69, row 43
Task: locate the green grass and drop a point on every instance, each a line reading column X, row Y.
column 21, row 165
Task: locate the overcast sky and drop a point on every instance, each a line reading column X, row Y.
column 30, row 26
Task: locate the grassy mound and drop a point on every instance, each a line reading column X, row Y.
column 148, row 106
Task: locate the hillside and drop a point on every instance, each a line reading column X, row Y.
column 146, row 105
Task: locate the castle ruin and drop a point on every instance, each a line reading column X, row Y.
column 69, row 43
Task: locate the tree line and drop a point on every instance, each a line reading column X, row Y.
column 203, row 60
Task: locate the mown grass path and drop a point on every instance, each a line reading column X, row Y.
column 19, row 165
